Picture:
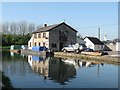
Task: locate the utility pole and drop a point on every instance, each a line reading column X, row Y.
column 99, row 33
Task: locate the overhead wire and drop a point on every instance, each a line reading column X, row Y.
column 88, row 27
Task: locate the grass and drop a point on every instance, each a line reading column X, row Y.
column 5, row 47
column 90, row 58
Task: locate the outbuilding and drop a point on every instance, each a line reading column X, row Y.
column 117, row 46
column 94, row 43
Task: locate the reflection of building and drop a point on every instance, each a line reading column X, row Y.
column 39, row 65
column 57, row 69
column 53, row 69
column 12, row 54
column 78, row 63
column 61, row 72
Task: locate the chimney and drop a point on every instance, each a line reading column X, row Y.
column 45, row 25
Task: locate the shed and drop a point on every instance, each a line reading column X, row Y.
column 94, row 43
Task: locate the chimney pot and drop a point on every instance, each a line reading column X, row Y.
column 45, row 25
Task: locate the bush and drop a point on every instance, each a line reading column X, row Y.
column 9, row 39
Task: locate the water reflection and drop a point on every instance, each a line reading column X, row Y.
column 78, row 63
column 57, row 69
column 13, row 54
column 39, row 65
column 15, row 64
column 42, row 72
column 61, row 72
column 52, row 68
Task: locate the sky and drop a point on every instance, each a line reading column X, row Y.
column 85, row 17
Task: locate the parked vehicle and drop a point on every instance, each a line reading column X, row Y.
column 74, row 48
column 39, row 48
column 24, row 47
column 104, row 53
column 89, row 50
column 82, row 47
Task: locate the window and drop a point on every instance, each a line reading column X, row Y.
column 44, row 35
column 43, row 43
column 97, row 46
column 39, row 43
column 35, row 43
column 35, row 35
column 39, row 35
column 54, row 45
column 30, row 44
column 102, row 46
column 90, row 46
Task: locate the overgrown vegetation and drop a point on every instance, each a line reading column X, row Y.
column 9, row 39
column 6, row 82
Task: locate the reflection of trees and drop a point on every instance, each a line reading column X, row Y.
column 14, row 65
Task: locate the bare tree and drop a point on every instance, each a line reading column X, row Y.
column 5, row 28
column 31, row 27
column 13, row 28
column 80, row 36
column 0, row 28
column 23, row 27
column 38, row 27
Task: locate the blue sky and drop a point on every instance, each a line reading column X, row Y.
column 85, row 17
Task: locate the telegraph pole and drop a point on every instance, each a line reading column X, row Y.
column 99, row 33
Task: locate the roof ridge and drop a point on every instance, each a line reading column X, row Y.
column 50, row 27
column 95, row 40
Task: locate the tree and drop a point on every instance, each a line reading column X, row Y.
column 79, row 36
column 23, row 27
column 38, row 27
column 13, row 28
column 31, row 27
column 5, row 27
column 7, row 39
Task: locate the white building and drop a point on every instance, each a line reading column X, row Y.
column 54, row 37
column 117, row 46
column 94, row 43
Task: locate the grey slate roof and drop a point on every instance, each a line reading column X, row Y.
column 47, row 28
column 95, row 40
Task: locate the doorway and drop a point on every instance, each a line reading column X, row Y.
column 61, row 46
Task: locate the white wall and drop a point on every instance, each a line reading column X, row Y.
column 117, row 46
column 99, row 47
column 89, row 44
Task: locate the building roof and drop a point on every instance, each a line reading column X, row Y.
column 48, row 28
column 95, row 40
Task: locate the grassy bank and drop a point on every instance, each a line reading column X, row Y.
column 106, row 58
column 4, row 47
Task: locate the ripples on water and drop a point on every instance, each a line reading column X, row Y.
column 51, row 72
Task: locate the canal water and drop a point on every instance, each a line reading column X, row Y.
column 41, row 72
